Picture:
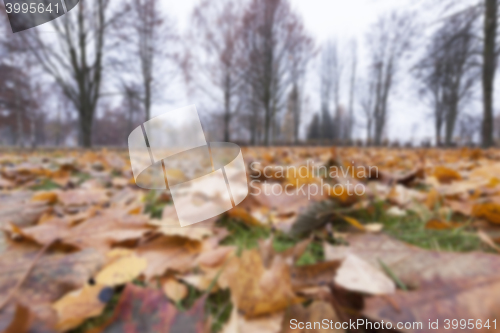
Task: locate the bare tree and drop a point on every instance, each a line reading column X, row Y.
column 367, row 106
column 74, row 58
column 389, row 41
column 272, row 32
column 331, row 76
column 449, row 70
column 216, row 35
column 151, row 41
column 352, row 88
column 327, row 84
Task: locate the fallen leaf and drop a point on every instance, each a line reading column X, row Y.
column 80, row 197
column 489, row 211
column 53, row 276
column 437, row 224
column 99, row 232
column 312, row 318
column 446, row 175
column 263, row 324
column 49, row 197
column 121, row 271
column 174, row 290
column 319, row 274
column 77, row 306
column 355, row 274
column 439, row 300
column 141, row 310
column 257, row 290
column 21, row 321
column 396, row 211
column 169, row 253
column 413, row 265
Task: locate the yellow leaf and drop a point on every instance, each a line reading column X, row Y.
column 489, row 211
column 436, row 224
column 300, row 176
column 244, row 215
column 174, row 290
column 355, row 223
column 74, row 308
column 433, row 198
column 50, row 197
column 446, row 175
column 121, row 271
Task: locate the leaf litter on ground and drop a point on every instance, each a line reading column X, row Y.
column 84, row 250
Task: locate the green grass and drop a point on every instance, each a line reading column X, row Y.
column 219, row 306
column 82, row 176
column 153, row 205
column 411, row 229
column 45, row 185
column 242, row 235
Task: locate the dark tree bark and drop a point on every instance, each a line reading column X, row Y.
column 489, row 67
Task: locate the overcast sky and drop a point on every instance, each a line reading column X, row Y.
column 346, row 20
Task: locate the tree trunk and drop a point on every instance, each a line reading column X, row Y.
column 489, row 66
column 351, row 99
column 451, row 118
column 147, row 101
column 227, row 108
column 438, row 130
column 86, row 129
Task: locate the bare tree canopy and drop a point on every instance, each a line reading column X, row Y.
column 389, row 41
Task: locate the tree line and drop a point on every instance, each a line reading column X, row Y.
column 249, row 62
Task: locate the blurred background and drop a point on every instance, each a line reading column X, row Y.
column 261, row 72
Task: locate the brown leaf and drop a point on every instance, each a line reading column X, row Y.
column 257, row 290
column 436, row 224
column 53, row 276
column 81, row 197
column 141, row 310
column 489, row 211
column 320, row 274
column 21, row 321
column 413, row 265
column 99, row 232
column 164, row 253
column 263, row 324
column 317, row 312
column 474, row 298
column 446, row 175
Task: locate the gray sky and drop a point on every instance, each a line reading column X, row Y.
column 347, row 20
column 344, row 20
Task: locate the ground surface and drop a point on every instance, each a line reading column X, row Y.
column 399, row 236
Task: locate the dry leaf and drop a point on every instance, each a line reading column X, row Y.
column 174, row 290
column 355, row 274
column 446, row 175
column 440, row 300
column 164, row 253
column 413, row 265
column 257, row 290
column 121, row 271
column 77, row 306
